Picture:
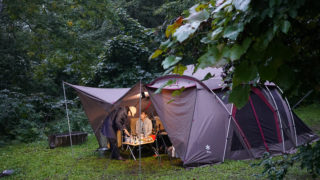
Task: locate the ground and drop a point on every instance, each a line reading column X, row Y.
column 37, row 161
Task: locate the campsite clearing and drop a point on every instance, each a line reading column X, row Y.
column 37, row 161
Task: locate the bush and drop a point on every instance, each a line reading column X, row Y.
column 27, row 118
column 308, row 157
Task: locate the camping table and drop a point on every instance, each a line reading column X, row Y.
column 132, row 146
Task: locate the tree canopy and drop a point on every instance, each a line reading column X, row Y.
column 255, row 41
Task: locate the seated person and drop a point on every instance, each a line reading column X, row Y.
column 145, row 127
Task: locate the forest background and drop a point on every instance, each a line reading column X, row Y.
column 107, row 43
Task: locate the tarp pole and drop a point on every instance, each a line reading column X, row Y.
column 140, row 130
column 305, row 96
column 65, row 102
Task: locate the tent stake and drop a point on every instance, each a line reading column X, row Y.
column 65, row 102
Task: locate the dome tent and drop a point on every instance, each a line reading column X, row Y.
column 202, row 126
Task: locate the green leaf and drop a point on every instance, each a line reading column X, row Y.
column 244, row 73
column 240, row 95
column 285, row 26
column 178, row 92
column 267, row 72
column 156, row 54
column 216, row 32
column 285, row 77
column 168, row 83
column 179, row 69
column 200, row 16
column 186, row 30
column 233, row 31
column 211, row 58
column 208, row 76
column 237, row 51
column 272, row 3
column 200, row 7
column 170, row 61
column 241, row 5
column 221, row 6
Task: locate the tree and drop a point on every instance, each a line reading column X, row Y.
column 255, row 41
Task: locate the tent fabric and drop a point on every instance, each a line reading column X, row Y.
column 203, row 126
column 109, row 95
column 176, row 116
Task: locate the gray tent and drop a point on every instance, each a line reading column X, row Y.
column 202, row 126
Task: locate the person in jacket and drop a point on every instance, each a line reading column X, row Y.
column 116, row 120
column 146, row 125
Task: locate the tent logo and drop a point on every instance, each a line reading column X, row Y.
column 208, row 148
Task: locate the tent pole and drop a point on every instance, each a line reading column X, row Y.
column 276, row 106
column 225, row 146
column 293, row 124
column 65, row 102
column 140, row 131
column 230, row 113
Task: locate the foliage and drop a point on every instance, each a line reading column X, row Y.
column 308, row 157
column 33, row 117
column 274, row 168
column 45, row 42
column 123, row 62
column 256, row 41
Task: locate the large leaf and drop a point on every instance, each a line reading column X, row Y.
column 285, row 77
column 233, row 31
column 216, row 32
column 172, row 28
column 244, row 73
column 241, row 5
column 179, row 69
column 238, row 50
column 285, row 26
column 157, row 53
column 211, row 58
column 170, row 61
column 193, row 22
column 240, row 95
column 198, row 16
column 183, row 32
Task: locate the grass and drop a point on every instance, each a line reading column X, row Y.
column 37, row 161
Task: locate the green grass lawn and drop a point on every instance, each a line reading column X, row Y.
column 37, row 161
